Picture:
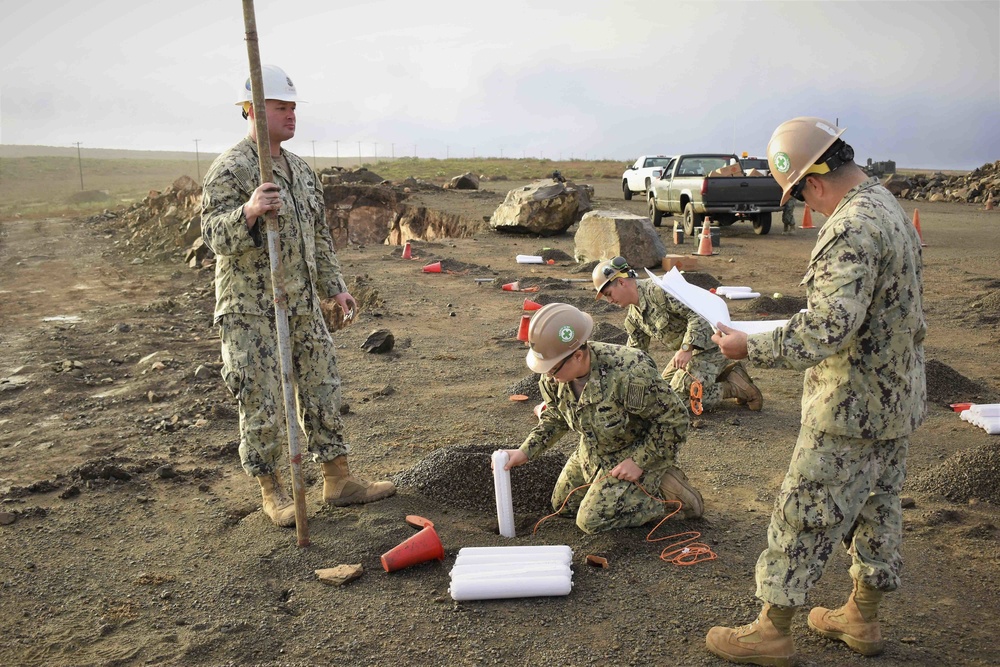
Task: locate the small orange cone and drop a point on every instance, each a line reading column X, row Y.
column 807, row 219
column 522, row 331
column 530, row 305
column 916, row 223
column 511, row 287
column 705, row 245
column 407, row 251
column 433, row 268
column 419, row 548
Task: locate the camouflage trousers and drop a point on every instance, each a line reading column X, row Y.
column 704, row 366
column 609, row 503
column 252, row 371
column 788, row 215
column 837, row 490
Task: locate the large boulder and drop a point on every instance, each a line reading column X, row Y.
column 359, row 214
column 604, row 234
column 546, row 208
column 467, row 181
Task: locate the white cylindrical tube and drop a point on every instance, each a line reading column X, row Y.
column 501, row 486
column 530, row 259
column 722, row 290
column 509, row 570
column 494, row 589
column 985, row 409
column 991, row 425
column 742, row 295
column 522, row 553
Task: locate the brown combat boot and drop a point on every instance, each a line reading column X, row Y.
column 736, row 383
column 855, row 624
column 675, row 486
column 277, row 503
column 341, row 488
column 766, row 641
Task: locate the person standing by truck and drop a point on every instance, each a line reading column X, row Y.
column 788, row 216
column 861, row 342
column 652, row 313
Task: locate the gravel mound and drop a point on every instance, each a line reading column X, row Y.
column 528, row 386
column 461, row 477
column 945, row 385
column 785, row 305
column 609, row 333
column 974, row 473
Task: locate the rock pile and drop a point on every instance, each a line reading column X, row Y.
column 979, row 186
column 972, row 474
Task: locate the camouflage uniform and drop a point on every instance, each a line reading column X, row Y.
column 788, row 215
column 659, row 315
column 626, row 410
column 244, row 306
column 864, row 393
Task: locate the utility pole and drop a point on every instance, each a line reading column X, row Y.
column 359, row 153
column 473, row 152
column 314, row 154
column 447, row 152
column 376, row 153
column 414, row 151
column 197, row 159
column 337, row 142
column 393, row 151
column 501, row 152
column 79, row 161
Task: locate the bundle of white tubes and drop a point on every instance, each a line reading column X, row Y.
column 490, row 573
column 986, row 417
column 505, row 501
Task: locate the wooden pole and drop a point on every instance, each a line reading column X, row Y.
column 277, row 277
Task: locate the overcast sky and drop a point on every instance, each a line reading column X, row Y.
column 916, row 82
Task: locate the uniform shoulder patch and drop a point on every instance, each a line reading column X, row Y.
column 635, row 393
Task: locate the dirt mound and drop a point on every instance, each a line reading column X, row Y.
column 609, row 333
column 972, row 474
column 526, row 386
column 785, row 305
column 461, row 477
column 945, row 385
column 701, row 279
column 986, row 310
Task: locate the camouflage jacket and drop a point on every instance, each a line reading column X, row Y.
column 625, row 410
column 242, row 264
column 659, row 315
column 862, row 338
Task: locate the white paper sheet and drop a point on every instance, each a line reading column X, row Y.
column 709, row 306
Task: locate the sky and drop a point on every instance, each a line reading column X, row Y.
column 914, row 82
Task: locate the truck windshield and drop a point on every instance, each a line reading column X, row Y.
column 699, row 166
column 655, row 162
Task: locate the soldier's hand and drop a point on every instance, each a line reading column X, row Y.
column 627, row 471
column 515, row 458
column 267, row 197
column 348, row 304
column 732, row 342
column 681, row 359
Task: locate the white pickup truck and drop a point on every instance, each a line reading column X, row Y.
column 641, row 173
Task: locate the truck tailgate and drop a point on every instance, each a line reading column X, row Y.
column 736, row 192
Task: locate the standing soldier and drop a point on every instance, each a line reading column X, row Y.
column 629, row 420
column 233, row 209
column 862, row 345
column 652, row 313
column 788, row 216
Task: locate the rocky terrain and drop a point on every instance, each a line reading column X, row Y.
column 130, row 535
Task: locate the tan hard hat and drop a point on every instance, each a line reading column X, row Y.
column 795, row 147
column 608, row 270
column 556, row 331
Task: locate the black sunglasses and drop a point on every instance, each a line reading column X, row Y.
column 558, row 367
column 798, row 188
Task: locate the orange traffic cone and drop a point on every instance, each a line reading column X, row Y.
column 522, row 331
column 705, row 245
column 807, row 219
column 419, row 548
column 511, row 287
column 407, row 251
column 916, row 223
column 530, row 305
column 433, row 268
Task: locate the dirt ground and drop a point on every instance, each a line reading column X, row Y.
column 130, row 535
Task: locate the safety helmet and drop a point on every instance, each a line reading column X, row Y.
column 556, row 331
column 801, row 146
column 277, row 86
column 608, row 270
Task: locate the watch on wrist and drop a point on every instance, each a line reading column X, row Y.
column 685, row 347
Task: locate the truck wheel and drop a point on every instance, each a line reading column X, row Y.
column 762, row 224
column 692, row 220
column 626, row 191
column 655, row 216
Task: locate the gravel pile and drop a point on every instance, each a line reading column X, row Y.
column 974, row 473
column 527, row 386
column 785, row 305
column 945, row 385
column 609, row 333
column 461, row 477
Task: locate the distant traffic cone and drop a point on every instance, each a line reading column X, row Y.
column 522, row 331
column 530, row 305
column 807, row 219
column 433, row 268
column 705, row 244
column 407, row 251
column 916, row 223
column 419, row 548
column 511, row 287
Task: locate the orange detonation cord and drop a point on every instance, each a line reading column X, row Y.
column 684, row 551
